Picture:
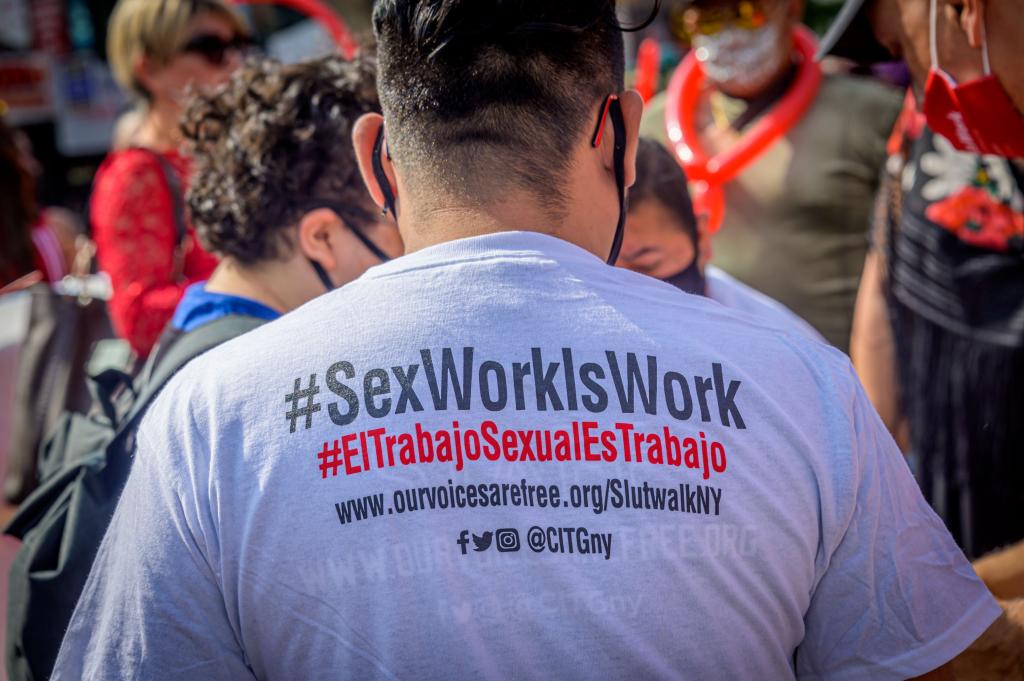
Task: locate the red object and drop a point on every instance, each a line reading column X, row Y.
column 977, row 116
column 909, row 125
column 47, row 254
column 709, row 175
column 320, row 12
column 648, row 59
column 599, row 132
column 132, row 215
column 978, row 219
column 49, row 27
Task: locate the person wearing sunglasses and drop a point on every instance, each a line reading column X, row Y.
column 161, row 52
column 788, row 220
column 280, row 199
column 302, row 498
column 939, row 331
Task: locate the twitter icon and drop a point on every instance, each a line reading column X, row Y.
column 482, row 543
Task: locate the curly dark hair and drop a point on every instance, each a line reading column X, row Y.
column 274, row 140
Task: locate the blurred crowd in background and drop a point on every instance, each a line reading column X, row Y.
column 810, row 193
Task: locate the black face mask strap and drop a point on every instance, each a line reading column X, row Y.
column 613, row 109
column 322, row 274
column 370, row 246
column 382, row 178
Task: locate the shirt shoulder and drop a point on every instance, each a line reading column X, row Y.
column 732, row 293
column 857, row 95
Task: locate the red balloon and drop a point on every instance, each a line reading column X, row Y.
column 320, row 12
column 683, row 96
column 648, row 61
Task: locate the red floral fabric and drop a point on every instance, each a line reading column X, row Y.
column 978, row 218
column 132, row 215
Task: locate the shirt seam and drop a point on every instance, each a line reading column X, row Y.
column 946, row 646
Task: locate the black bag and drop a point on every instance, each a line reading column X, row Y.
column 62, row 523
column 64, row 332
column 50, row 377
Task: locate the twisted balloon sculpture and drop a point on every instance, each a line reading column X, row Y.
column 708, row 175
column 320, row 12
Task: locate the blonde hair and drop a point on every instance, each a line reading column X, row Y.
column 155, row 28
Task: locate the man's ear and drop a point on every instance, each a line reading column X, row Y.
column 632, row 110
column 364, row 139
column 972, row 21
column 317, row 236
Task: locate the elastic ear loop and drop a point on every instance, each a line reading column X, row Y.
column 382, row 178
column 933, row 47
column 322, row 274
column 933, row 39
column 613, row 106
column 370, row 246
column 984, row 43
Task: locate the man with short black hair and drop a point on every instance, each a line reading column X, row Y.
column 497, row 456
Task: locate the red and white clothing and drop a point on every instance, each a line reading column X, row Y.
column 354, row 491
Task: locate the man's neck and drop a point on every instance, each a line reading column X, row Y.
column 522, row 214
column 581, row 211
column 765, row 98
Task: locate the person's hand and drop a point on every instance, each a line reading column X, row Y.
column 998, row 655
column 1003, row 572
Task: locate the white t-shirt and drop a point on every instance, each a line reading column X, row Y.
column 722, row 287
column 500, row 458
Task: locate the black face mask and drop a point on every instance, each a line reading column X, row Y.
column 690, row 280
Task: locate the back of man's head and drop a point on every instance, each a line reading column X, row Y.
column 481, row 94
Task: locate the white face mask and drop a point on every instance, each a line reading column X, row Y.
column 740, row 57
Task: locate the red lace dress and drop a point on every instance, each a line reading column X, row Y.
column 132, row 216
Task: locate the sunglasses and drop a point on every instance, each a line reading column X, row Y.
column 214, row 49
column 693, row 21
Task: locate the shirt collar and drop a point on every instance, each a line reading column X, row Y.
column 504, row 244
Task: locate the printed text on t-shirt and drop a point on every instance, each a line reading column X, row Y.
column 534, row 384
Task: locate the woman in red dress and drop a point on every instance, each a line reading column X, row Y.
column 159, row 50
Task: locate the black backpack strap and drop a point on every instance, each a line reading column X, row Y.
column 185, row 348
column 177, row 196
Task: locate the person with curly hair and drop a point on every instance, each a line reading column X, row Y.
column 277, row 193
column 278, row 196
column 161, row 53
column 425, row 474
